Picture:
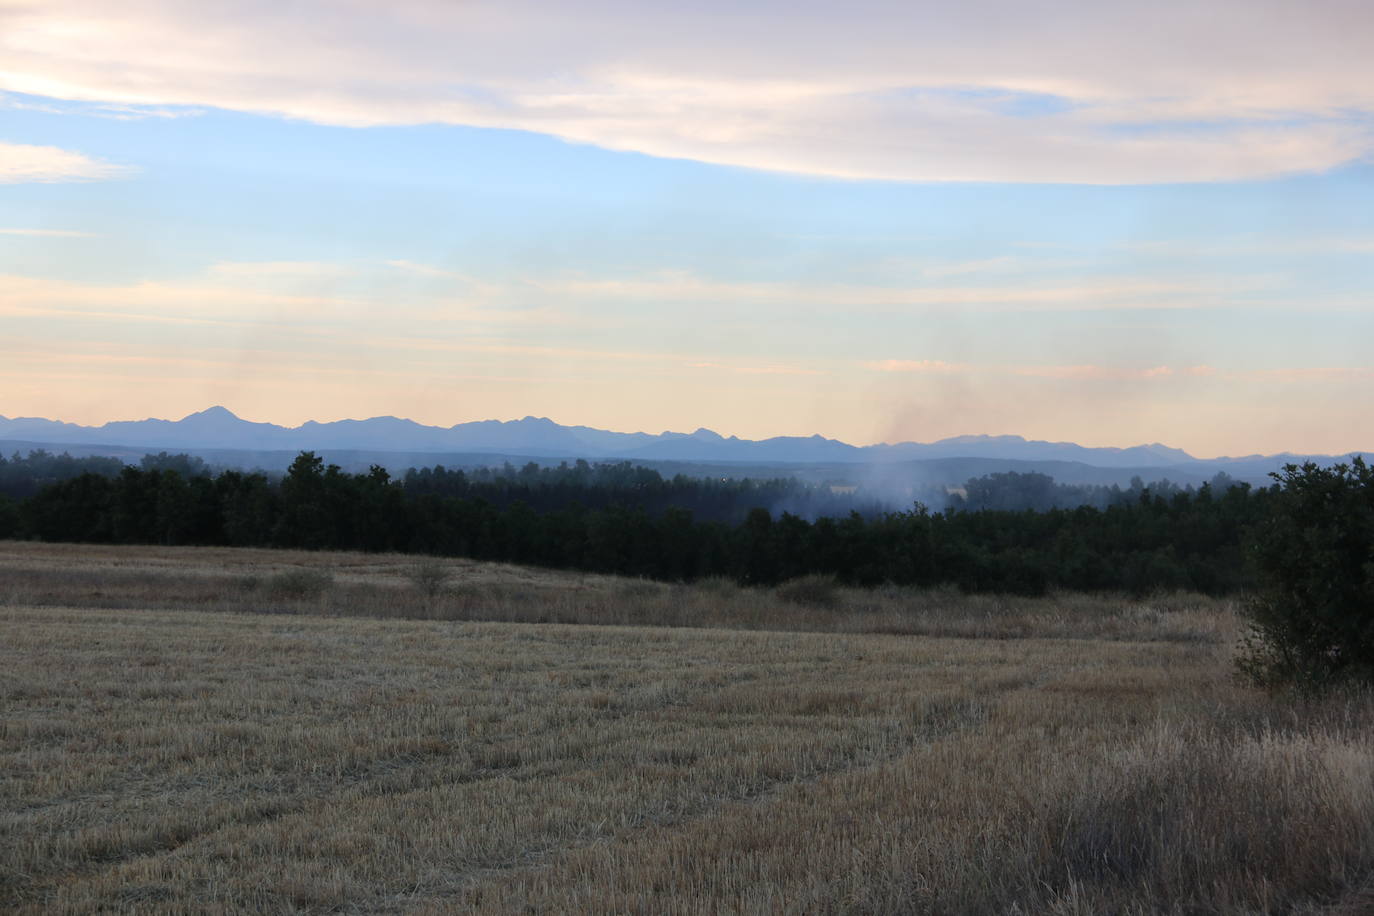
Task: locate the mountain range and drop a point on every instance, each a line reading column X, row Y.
column 218, row 429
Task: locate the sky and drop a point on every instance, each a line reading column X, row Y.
column 1103, row 223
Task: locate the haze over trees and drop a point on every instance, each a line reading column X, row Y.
column 1010, row 533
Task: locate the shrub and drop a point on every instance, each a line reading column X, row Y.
column 1312, row 619
column 430, row 577
column 810, row 591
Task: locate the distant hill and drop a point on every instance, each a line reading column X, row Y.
column 219, row 436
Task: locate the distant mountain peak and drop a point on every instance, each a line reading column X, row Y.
column 210, row 418
column 211, row 413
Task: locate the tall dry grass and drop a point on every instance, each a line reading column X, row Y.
column 393, row 586
column 168, row 758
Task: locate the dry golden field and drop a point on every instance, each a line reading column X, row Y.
column 385, row 585
column 228, row 731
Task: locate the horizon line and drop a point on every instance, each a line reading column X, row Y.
column 669, row 432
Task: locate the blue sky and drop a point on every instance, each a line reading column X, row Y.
column 1066, row 230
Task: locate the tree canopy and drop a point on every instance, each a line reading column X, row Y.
column 619, row 518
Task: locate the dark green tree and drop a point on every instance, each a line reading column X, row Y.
column 72, row 510
column 757, row 549
column 1312, row 617
column 304, row 519
column 248, row 509
column 9, row 518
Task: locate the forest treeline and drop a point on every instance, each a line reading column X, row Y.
column 619, row 518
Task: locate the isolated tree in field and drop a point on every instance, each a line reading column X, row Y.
column 1312, row 617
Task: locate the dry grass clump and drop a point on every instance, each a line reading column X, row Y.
column 1287, row 814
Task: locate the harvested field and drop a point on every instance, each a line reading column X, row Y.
column 394, row 586
column 314, row 758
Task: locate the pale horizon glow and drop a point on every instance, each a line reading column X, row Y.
column 1110, row 224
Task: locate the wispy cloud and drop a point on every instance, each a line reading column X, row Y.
column 1079, row 372
column 1093, row 372
column 280, row 293
column 1086, row 372
column 1098, row 93
column 175, row 303
column 424, row 270
column 144, row 112
column 275, row 270
column 51, row 233
column 775, row 370
column 1315, row 374
column 915, row 365
column 998, row 265
column 113, row 112
column 1252, row 246
column 1110, row 293
column 21, row 163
